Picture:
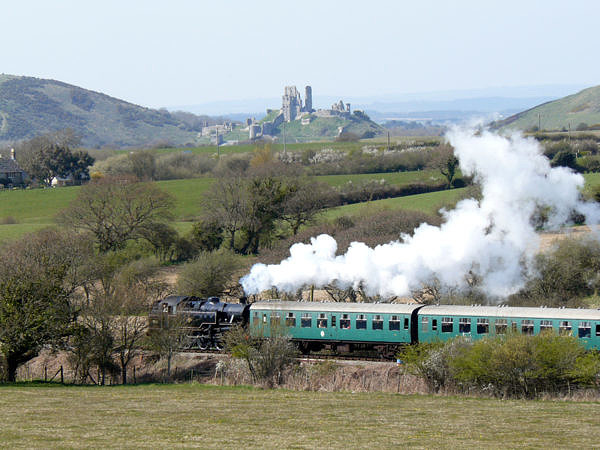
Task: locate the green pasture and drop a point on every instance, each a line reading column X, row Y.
column 192, row 415
column 33, row 209
column 428, row 203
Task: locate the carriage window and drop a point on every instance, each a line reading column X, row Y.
column 483, row 326
column 501, row 326
column 306, row 320
column 514, row 326
column 255, row 319
column 464, row 325
column 434, row 324
column 345, row 322
column 597, row 329
column 424, row 324
column 333, row 321
column 406, row 323
column 322, row 321
column 290, row 320
column 545, row 325
column 585, row 329
column 447, row 325
column 527, row 326
column 275, row 319
column 394, row 323
column 565, row 327
column 361, row 322
column 264, row 318
column 377, row 323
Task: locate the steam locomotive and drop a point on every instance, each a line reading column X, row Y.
column 381, row 328
column 203, row 320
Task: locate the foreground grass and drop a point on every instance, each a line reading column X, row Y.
column 161, row 416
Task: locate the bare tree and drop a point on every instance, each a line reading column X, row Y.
column 305, row 199
column 225, row 203
column 116, row 210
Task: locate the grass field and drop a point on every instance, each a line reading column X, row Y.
column 191, row 415
column 36, row 208
column 428, row 203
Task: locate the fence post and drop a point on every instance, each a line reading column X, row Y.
column 45, row 374
column 134, row 379
column 62, row 377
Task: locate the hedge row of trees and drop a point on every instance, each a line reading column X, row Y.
column 514, row 365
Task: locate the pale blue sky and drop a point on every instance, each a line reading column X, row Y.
column 180, row 52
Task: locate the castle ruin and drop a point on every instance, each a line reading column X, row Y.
column 292, row 108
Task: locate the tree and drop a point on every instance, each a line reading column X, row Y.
column 209, row 274
column 265, row 198
column 446, row 162
column 116, row 210
column 565, row 158
column 304, row 200
column 143, row 164
column 48, row 156
column 225, row 203
column 37, row 282
column 169, row 338
column 114, row 322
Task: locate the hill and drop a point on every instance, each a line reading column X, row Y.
column 579, row 111
column 32, row 106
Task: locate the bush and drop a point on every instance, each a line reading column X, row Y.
column 209, row 274
column 525, row 366
column 266, row 358
column 513, row 365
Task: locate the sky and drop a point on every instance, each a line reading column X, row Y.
column 162, row 54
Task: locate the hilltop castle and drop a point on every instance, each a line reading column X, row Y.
column 292, row 108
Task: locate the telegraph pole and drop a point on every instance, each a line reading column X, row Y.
column 284, row 137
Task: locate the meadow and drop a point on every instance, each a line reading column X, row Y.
column 193, row 415
column 25, row 211
column 33, row 209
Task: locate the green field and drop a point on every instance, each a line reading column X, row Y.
column 36, row 208
column 428, row 203
column 191, row 415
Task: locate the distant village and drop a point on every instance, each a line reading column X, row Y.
column 292, row 108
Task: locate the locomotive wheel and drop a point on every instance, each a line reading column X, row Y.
column 203, row 344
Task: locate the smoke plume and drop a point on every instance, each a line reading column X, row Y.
column 493, row 239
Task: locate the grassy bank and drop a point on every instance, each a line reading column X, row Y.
column 204, row 416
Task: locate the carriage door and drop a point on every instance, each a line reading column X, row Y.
column 333, row 328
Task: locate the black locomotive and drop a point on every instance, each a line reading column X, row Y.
column 204, row 320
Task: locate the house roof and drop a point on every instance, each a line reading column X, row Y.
column 9, row 165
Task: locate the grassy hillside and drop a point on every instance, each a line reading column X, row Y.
column 192, row 415
column 32, row 106
column 580, row 108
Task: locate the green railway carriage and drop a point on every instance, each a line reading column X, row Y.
column 341, row 327
column 443, row 322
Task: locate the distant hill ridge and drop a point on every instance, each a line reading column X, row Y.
column 576, row 111
column 33, row 106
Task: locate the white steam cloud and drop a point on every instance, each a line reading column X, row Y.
column 492, row 238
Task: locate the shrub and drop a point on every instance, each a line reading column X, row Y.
column 209, row 274
column 525, row 366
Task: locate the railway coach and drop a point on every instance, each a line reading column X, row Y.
column 443, row 322
column 340, row 327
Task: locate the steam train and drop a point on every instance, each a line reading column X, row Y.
column 381, row 328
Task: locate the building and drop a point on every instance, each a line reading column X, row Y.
column 10, row 170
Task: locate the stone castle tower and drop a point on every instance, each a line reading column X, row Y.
column 291, row 104
column 308, row 99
